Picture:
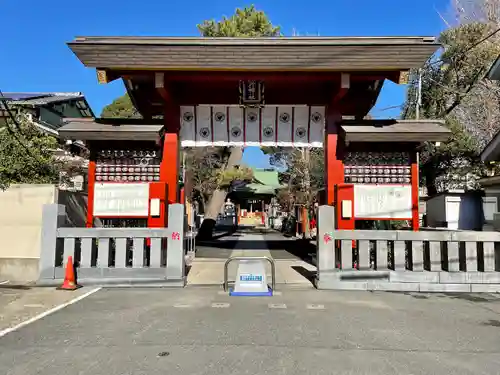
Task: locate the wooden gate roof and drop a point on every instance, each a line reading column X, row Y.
column 207, row 70
column 285, row 53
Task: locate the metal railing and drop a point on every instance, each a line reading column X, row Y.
column 230, row 259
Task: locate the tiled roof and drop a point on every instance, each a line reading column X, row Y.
column 266, row 177
column 37, row 99
column 42, row 99
column 285, row 53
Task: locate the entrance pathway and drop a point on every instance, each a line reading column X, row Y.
column 301, row 332
column 292, row 267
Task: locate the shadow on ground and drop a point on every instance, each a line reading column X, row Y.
column 304, row 272
column 281, row 248
column 470, row 297
column 15, row 287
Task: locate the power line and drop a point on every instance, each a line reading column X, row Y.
column 464, row 53
column 388, row 108
column 482, row 40
column 461, row 55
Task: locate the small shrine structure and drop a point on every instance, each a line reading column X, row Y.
column 253, row 199
column 286, row 92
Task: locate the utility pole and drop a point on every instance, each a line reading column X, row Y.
column 419, row 95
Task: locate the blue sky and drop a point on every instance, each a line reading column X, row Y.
column 35, row 57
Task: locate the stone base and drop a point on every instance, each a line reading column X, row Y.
column 335, row 284
column 19, row 269
column 119, row 283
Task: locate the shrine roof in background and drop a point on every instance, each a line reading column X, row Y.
column 267, row 54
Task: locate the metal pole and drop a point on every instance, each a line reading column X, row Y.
column 230, row 259
column 183, row 167
column 419, row 95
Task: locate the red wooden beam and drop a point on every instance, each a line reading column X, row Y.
column 285, row 77
column 196, row 94
column 338, row 96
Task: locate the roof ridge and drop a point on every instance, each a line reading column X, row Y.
column 68, row 93
column 44, row 94
column 152, row 38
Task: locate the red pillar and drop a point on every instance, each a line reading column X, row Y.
column 334, row 167
column 90, row 193
column 415, row 196
column 182, row 196
column 305, row 221
column 169, row 167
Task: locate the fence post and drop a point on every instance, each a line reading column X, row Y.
column 53, row 217
column 175, row 249
column 325, row 243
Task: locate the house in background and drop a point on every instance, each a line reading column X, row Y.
column 48, row 111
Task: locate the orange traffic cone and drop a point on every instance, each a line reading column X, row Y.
column 69, row 278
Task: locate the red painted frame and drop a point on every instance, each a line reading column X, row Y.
column 322, row 89
column 346, row 192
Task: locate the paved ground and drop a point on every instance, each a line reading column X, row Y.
column 293, row 262
column 19, row 303
column 200, row 331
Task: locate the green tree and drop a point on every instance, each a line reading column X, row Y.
column 121, row 107
column 246, row 22
column 454, row 87
column 205, row 173
column 301, row 169
column 27, row 155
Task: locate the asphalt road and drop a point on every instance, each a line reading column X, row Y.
column 200, row 331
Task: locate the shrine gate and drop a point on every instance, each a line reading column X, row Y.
column 288, row 92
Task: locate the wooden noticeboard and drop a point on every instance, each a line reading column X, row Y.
column 121, row 200
column 382, row 201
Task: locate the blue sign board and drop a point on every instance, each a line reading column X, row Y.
column 250, row 277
